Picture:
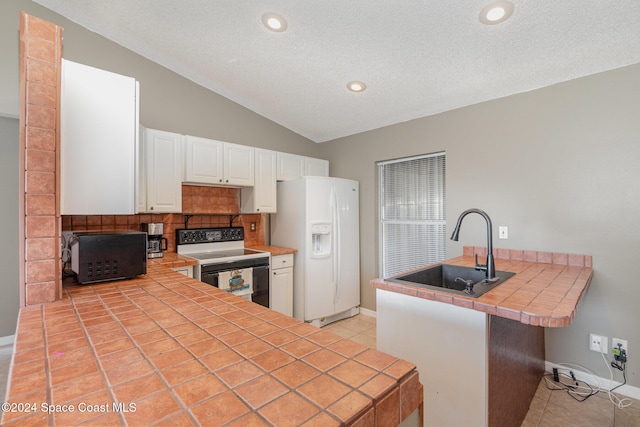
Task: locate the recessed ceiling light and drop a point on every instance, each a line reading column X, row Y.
column 274, row 22
column 496, row 12
column 356, row 86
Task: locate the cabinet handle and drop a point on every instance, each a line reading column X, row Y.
column 257, row 210
column 227, row 181
column 220, row 181
column 151, row 208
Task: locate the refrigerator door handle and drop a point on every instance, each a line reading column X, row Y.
column 336, row 242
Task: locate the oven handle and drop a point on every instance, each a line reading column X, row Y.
column 232, row 265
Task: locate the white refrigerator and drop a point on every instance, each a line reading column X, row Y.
column 319, row 217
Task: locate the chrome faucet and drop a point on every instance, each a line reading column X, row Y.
column 490, row 266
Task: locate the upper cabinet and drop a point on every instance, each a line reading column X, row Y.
column 261, row 198
column 292, row 166
column 316, row 167
column 238, row 165
column 163, row 152
column 98, row 141
column 203, row 160
column 212, row 162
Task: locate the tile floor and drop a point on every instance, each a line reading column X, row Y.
column 359, row 328
column 548, row 408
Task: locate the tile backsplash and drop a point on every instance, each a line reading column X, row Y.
column 211, row 204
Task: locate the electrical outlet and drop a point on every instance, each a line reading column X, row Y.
column 503, row 232
column 598, row 343
column 624, row 345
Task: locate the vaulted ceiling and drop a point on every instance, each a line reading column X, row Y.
column 416, row 57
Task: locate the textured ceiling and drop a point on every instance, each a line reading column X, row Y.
column 417, row 58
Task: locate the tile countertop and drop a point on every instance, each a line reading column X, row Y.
column 174, row 351
column 171, row 260
column 274, row 250
column 545, row 291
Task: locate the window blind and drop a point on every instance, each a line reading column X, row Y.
column 412, row 216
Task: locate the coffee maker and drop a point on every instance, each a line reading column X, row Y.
column 155, row 242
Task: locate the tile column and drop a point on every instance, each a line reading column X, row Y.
column 40, row 62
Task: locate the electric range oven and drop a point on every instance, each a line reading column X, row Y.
column 225, row 263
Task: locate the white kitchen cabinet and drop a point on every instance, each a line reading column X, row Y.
column 98, row 141
column 164, row 171
column 212, row 162
column 316, row 167
column 290, row 166
column 238, row 165
column 203, row 160
column 293, row 166
column 261, row 198
column 141, row 198
column 186, row 271
column 281, row 291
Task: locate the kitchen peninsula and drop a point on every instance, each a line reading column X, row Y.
column 165, row 349
column 482, row 358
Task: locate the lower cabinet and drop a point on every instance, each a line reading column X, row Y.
column 187, row 271
column 281, row 292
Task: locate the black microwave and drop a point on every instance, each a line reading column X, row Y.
column 102, row 256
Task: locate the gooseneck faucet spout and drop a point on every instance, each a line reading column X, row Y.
column 490, row 266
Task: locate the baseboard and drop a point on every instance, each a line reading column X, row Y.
column 367, row 312
column 7, row 340
column 593, row 380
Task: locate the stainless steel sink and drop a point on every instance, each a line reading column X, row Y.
column 452, row 278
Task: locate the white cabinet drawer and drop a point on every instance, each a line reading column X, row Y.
column 281, row 261
column 187, row 271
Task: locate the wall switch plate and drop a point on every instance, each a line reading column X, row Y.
column 624, row 345
column 503, row 232
column 598, row 343
column 253, row 226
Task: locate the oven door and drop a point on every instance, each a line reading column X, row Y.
column 261, row 285
column 257, row 271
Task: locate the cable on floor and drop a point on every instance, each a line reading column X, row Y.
column 564, row 379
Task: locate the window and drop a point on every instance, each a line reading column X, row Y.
column 412, row 221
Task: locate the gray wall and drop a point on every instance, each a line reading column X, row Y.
column 560, row 166
column 9, row 221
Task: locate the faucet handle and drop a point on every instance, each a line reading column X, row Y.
column 481, row 267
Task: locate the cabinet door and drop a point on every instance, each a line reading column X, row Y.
column 238, row 165
column 98, row 141
column 141, row 188
column 164, row 171
column 316, row 167
column 281, row 293
column 261, row 198
column 290, row 166
column 203, row 160
column 186, row 271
